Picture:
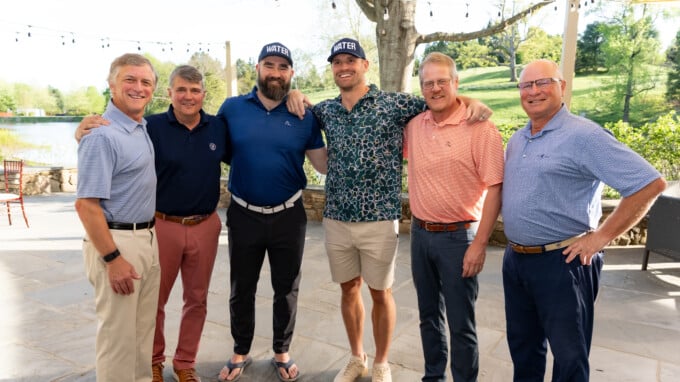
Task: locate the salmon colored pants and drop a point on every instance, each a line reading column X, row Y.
column 190, row 250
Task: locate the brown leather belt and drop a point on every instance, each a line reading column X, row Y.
column 184, row 220
column 131, row 226
column 441, row 227
column 537, row 249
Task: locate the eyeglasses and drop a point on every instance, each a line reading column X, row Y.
column 541, row 83
column 429, row 85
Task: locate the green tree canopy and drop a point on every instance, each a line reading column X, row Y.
column 540, row 45
column 673, row 81
column 214, row 78
column 589, row 56
column 630, row 46
column 467, row 54
column 247, row 77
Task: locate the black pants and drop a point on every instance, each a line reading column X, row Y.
column 282, row 236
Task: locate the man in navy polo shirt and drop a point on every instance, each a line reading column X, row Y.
column 266, row 214
column 189, row 146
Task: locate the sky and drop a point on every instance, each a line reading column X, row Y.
column 72, row 42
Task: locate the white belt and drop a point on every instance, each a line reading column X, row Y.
column 268, row 209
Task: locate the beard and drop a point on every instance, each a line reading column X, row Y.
column 273, row 88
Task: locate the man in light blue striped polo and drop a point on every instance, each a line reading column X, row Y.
column 116, row 200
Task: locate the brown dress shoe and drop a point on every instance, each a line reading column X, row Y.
column 186, row 375
column 157, row 370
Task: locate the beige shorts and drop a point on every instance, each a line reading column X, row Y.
column 366, row 249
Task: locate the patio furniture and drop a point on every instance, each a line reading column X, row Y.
column 663, row 227
column 14, row 190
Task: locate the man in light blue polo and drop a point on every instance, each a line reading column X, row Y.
column 554, row 173
column 116, row 203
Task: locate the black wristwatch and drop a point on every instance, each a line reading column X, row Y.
column 111, row 256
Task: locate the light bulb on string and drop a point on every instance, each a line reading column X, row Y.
column 73, row 38
column 333, row 5
column 467, row 10
column 17, row 37
column 29, row 31
column 386, row 15
column 429, row 4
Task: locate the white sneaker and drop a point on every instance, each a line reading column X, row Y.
column 381, row 372
column 356, row 367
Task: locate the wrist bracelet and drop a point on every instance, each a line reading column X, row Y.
column 111, row 256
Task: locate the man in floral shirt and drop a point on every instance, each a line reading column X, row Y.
column 364, row 131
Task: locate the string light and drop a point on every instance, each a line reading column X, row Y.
column 63, row 36
column 333, row 5
column 386, row 15
column 429, row 4
column 467, row 10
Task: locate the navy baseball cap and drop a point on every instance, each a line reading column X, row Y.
column 348, row 46
column 275, row 49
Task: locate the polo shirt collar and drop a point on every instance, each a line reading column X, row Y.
column 114, row 114
column 173, row 119
column 457, row 118
column 556, row 122
column 372, row 92
column 252, row 96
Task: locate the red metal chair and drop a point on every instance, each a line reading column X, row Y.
column 14, row 187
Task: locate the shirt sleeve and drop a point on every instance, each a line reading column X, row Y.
column 616, row 164
column 95, row 167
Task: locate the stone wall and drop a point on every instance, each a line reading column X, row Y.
column 48, row 180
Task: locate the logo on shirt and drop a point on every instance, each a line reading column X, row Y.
column 212, row 146
column 287, row 124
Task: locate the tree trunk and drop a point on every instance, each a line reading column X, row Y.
column 628, row 95
column 513, row 63
column 396, row 36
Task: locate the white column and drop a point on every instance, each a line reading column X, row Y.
column 569, row 46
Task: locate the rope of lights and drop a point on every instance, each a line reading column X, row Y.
column 65, row 37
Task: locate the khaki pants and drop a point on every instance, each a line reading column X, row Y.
column 126, row 323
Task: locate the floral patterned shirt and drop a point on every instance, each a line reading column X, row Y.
column 365, row 154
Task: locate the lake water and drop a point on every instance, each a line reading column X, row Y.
column 54, row 140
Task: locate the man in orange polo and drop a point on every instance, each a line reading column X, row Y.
column 455, row 173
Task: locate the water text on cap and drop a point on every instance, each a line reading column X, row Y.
column 344, row 45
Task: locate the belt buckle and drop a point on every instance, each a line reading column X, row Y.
column 428, row 226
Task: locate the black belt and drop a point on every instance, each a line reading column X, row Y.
column 442, row 227
column 131, row 226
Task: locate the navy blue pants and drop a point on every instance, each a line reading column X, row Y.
column 282, row 237
column 443, row 294
column 548, row 300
